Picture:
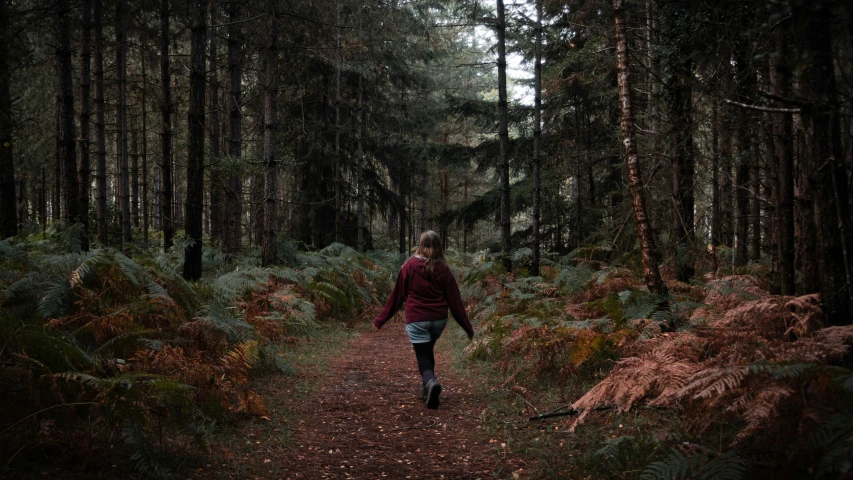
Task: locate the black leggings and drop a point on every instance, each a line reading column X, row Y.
column 425, row 353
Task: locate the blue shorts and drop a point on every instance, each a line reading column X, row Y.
column 425, row 332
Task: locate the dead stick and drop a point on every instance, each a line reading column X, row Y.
column 560, row 412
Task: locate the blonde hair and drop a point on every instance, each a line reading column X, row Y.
column 430, row 248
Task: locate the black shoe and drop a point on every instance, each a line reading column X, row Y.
column 433, row 390
column 424, row 392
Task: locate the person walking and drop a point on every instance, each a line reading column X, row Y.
column 428, row 287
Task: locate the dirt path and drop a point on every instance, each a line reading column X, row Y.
column 367, row 420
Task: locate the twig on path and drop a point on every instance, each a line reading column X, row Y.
column 562, row 412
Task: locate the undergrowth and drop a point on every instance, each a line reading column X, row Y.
column 719, row 379
column 98, row 346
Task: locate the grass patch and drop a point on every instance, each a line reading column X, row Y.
column 232, row 447
column 608, row 445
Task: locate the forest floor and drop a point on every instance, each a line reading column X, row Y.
column 361, row 416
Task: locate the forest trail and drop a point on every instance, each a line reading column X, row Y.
column 366, row 419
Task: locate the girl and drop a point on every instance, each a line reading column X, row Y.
column 428, row 283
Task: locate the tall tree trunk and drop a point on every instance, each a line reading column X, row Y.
column 465, row 224
column 339, row 228
column 726, row 190
column 8, row 219
column 195, row 127
column 827, row 173
column 43, row 204
column 21, row 203
column 360, row 168
column 145, row 219
column 256, row 210
column 121, row 120
column 780, row 78
column 742, row 200
column 234, row 185
column 716, row 208
column 537, row 141
column 67, row 145
column 56, row 191
column 680, row 101
column 755, row 207
column 745, row 80
column 100, row 125
column 216, row 211
column 134, row 177
column 644, row 231
column 166, row 197
column 403, row 220
column 84, row 173
column 270, row 92
column 506, row 241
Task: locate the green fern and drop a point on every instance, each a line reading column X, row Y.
column 624, row 453
column 780, row 371
column 846, row 382
column 707, row 466
column 482, row 271
column 834, row 437
column 728, row 466
column 676, row 466
column 143, row 457
column 49, row 350
column 573, row 279
column 220, row 315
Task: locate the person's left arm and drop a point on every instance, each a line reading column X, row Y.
column 454, row 301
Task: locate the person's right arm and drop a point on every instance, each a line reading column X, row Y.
column 395, row 301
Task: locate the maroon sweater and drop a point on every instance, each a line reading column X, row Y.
column 426, row 298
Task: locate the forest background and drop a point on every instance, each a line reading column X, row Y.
column 665, row 193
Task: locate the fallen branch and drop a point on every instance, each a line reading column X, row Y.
column 562, row 412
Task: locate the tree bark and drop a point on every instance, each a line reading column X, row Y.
column 43, row 204
column 506, row 241
column 134, row 177
column 360, row 167
column 537, row 142
column 22, row 203
column 680, row 101
column 780, row 78
column 166, row 197
column 742, row 200
column 216, row 210
column 339, row 228
column 270, row 91
column 145, row 205
column 725, row 172
column 84, row 172
column 121, row 120
column 56, row 191
column 234, row 185
column 195, row 128
column 8, row 209
column 716, row 208
column 827, row 174
column 647, row 242
column 67, row 145
column 745, row 80
column 100, row 125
